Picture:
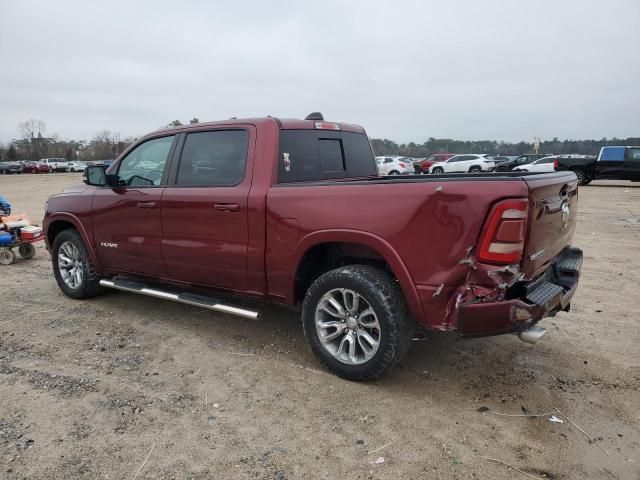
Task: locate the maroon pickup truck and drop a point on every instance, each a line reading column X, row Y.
column 222, row 214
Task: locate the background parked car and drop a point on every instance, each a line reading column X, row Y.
column 464, row 164
column 55, row 164
column 542, row 165
column 10, row 167
column 422, row 165
column 612, row 163
column 76, row 167
column 35, row 167
column 509, row 165
column 394, row 166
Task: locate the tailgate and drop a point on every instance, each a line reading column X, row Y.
column 553, row 209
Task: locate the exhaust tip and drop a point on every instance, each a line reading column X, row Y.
column 532, row 334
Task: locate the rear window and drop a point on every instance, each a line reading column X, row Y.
column 307, row 155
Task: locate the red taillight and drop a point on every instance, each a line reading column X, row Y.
column 403, row 165
column 555, row 164
column 502, row 240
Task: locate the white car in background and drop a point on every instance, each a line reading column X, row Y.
column 542, row 165
column 464, row 164
column 76, row 167
column 393, row 165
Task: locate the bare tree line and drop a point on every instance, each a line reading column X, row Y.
column 34, row 144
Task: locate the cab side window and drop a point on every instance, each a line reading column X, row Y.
column 145, row 164
column 633, row 154
column 213, row 159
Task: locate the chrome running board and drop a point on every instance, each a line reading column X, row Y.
column 187, row 298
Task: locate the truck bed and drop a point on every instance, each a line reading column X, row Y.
column 426, row 226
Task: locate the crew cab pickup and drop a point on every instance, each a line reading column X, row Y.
column 612, row 163
column 232, row 214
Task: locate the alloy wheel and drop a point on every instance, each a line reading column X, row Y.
column 347, row 326
column 70, row 265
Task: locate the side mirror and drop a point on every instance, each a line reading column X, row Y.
column 96, row 176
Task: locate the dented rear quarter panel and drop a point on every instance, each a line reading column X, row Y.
column 426, row 230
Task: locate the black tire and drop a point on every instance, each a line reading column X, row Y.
column 7, row 257
column 90, row 286
column 583, row 178
column 384, row 296
column 394, row 172
column 437, row 170
column 26, row 251
column 475, row 169
column 502, row 169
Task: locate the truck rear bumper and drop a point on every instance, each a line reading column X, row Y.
column 525, row 303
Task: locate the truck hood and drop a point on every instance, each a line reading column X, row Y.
column 74, row 188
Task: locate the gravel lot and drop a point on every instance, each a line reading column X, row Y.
column 119, row 384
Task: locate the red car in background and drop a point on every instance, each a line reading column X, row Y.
column 422, row 166
column 35, row 167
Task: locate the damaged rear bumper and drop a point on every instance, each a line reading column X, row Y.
column 524, row 303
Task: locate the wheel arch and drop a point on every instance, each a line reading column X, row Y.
column 316, row 254
column 63, row 221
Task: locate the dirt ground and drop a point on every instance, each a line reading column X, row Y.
column 124, row 385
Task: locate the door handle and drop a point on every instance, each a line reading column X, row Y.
column 146, row 204
column 226, row 207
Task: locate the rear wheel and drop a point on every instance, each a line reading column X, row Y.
column 356, row 322
column 26, row 251
column 475, row 169
column 583, row 178
column 438, row 170
column 72, row 267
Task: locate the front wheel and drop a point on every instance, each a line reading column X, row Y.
column 72, row 266
column 7, row 257
column 394, row 172
column 356, row 322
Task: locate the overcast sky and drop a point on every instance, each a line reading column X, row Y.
column 507, row 70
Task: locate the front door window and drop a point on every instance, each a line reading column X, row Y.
column 144, row 165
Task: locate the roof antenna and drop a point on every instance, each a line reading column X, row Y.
column 315, row 116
